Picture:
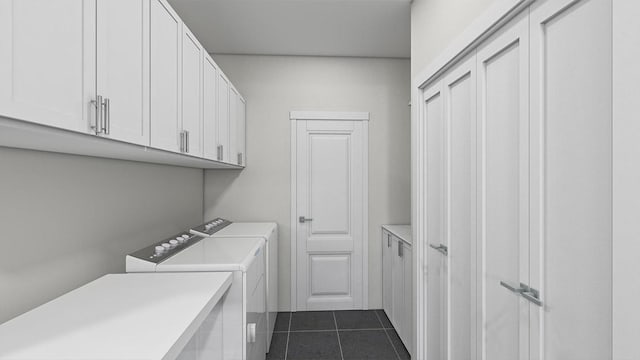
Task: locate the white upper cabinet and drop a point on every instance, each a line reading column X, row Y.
column 123, row 69
column 223, row 118
column 241, row 134
column 233, row 126
column 192, row 57
column 47, row 62
column 209, row 108
column 166, row 77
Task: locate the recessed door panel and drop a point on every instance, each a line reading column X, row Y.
column 329, row 161
column 327, row 275
column 572, row 231
column 503, row 115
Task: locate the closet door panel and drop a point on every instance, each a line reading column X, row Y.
column 571, row 192
column 503, row 120
column 434, row 127
column 209, row 113
column 460, row 99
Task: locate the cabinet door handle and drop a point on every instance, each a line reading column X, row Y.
column 400, row 249
column 251, row 333
column 186, row 141
column 239, row 158
column 303, row 219
column 97, row 104
column 222, row 152
column 107, row 116
column 388, row 240
column 531, row 294
column 513, row 289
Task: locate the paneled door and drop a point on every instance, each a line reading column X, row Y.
column 571, row 192
column 435, row 255
column 47, row 62
column 192, row 81
column 503, row 231
column 459, row 95
column 223, row 118
column 330, row 213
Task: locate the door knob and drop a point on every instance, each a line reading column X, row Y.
column 303, row 219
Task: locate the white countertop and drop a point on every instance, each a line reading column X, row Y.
column 215, row 254
column 401, row 231
column 119, row 316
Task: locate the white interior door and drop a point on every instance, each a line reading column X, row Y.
column 571, row 230
column 459, row 90
column 503, row 98
column 330, row 192
column 436, row 281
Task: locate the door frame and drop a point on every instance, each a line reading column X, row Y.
column 294, row 116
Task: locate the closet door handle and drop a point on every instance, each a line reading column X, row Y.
column 443, row 249
column 531, row 294
column 518, row 290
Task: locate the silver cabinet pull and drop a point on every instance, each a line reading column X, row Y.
column 97, row 104
column 107, row 116
column 303, row 219
column 221, row 152
column 186, row 141
column 400, row 249
column 443, row 249
column 218, row 152
column 239, row 158
column 388, row 240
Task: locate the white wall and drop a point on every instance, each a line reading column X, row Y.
column 275, row 85
column 66, row 220
column 435, row 23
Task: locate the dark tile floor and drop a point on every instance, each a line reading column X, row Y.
column 339, row 335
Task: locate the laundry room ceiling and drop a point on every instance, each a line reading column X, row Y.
column 369, row 28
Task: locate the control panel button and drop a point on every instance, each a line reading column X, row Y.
column 185, row 237
column 173, row 243
column 159, row 250
column 166, row 246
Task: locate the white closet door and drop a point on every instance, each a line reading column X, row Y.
column 503, row 98
column 47, row 62
column 166, row 76
column 123, row 67
column 459, row 92
column 571, row 115
column 436, row 314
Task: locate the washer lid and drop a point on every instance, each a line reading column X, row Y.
column 248, row 229
column 215, row 254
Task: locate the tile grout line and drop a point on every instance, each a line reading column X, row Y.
column 286, row 349
column 337, row 334
column 388, row 337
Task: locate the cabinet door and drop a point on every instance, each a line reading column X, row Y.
column 397, row 285
column 192, row 57
column 571, row 232
column 123, row 68
column 223, row 117
column 166, row 76
column 460, row 98
column 503, row 120
column 47, row 66
column 387, row 271
column 433, row 119
column 407, row 303
column 241, row 135
column 233, row 123
column 210, row 115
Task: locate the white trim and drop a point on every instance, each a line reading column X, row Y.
column 329, row 115
column 483, row 27
column 339, row 116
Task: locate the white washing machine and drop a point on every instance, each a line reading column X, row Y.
column 244, row 306
column 263, row 230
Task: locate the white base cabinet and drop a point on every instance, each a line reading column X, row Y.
column 397, row 280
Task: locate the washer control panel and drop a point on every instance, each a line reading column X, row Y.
column 166, row 248
column 210, row 227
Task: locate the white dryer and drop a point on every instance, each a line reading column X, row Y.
column 244, row 306
column 220, row 228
